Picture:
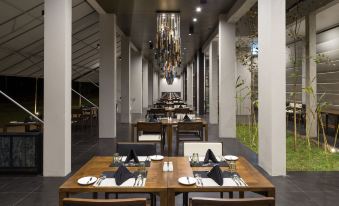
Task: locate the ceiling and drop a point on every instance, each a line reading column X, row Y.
column 21, row 31
column 137, row 19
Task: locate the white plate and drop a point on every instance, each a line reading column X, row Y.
column 157, row 157
column 187, row 180
column 231, row 158
column 87, row 180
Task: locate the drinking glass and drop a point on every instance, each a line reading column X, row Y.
column 232, row 166
column 116, row 158
column 142, row 169
column 195, row 158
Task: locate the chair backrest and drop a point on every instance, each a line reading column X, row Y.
column 264, row 201
column 149, row 127
column 189, row 126
column 104, row 202
column 202, row 147
column 157, row 111
column 182, row 110
column 142, row 149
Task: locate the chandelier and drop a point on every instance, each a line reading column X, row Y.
column 168, row 44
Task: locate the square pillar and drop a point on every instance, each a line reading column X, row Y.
column 190, row 85
column 125, row 80
column 227, row 79
column 272, row 86
column 155, row 86
column 144, row 84
column 213, row 82
column 107, row 76
column 57, row 87
column 136, row 82
column 150, row 85
column 311, row 74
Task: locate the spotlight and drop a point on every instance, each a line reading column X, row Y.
column 195, row 19
column 198, row 9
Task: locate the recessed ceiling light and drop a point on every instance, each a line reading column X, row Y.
column 195, row 19
column 184, row 48
column 190, row 34
column 198, row 9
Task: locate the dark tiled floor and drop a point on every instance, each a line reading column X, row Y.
column 297, row 188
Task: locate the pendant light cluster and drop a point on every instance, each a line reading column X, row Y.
column 168, row 44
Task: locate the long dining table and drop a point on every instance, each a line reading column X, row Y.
column 165, row 184
column 168, row 125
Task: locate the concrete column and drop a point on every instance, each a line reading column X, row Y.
column 201, row 80
column 155, row 86
column 190, row 85
column 272, row 86
column 198, row 83
column 213, row 83
column 182, row 85
column 107, row 76
column 125, row 80
column 57, row 87
column 144, row 84
column 227, row 79
column 150, row 85
column 311, row 74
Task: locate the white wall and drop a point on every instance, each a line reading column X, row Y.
column 175, row 87
column 136, row 82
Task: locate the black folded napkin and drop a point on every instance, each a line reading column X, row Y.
column 216, row 175
column 153, row 118
column 186, row 118
column 180, row 106
column 210, row 156
column 122, row 174
column 132, row 155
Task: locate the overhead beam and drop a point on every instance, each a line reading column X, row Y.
column 239, row 9
column 96, row 6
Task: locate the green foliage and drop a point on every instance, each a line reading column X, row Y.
column 306, row 158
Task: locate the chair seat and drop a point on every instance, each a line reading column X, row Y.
column 150, row 137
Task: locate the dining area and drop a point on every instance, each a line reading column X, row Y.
column 168, row 156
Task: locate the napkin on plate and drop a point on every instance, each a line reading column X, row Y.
column 153, row 118
column 210, row 156
column 122, row 174
column 180, row 106
column 132, row 155
column 216, row 175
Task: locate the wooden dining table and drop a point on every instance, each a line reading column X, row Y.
column 255, row 180
column 328, row 113
column 165, row 184
column 168, row 125
column 26, row 125
column 156, row 180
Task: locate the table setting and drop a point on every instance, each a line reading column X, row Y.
column 208, row 161
column 133, row 160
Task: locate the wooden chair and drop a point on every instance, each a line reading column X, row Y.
column 104, row 202
column 151, row 132
column 142, row 149
column 202, row 147
column 189, row 131
column 157, row 111
column 264, row 201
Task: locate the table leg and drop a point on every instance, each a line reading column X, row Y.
column 206, row 133
column 163, row 198
column 62, row 195
column 170, row 197
column 169, row 139
column 132, row 133
column 326, row 116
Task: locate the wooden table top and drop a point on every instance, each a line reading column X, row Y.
column 255, row 180
column 173, row 121
column 156, row 179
